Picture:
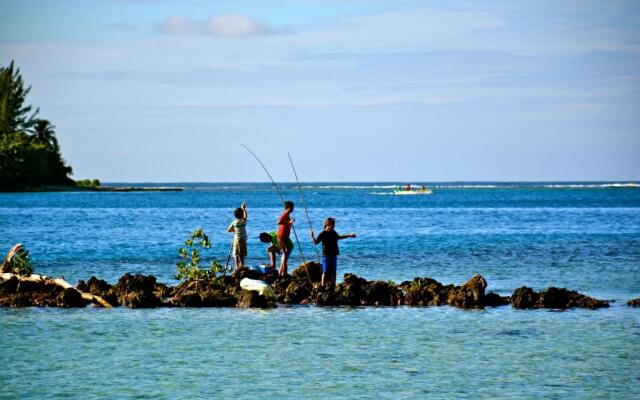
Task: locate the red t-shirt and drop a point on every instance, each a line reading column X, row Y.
column 284, row 230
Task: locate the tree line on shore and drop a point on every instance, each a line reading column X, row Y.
column 30, row 156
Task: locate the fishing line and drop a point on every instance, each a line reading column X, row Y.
column 275, row 185
column 304, row 204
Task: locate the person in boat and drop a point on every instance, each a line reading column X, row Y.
column 330, row 251
column 274, row 245
column 238, row 227
column 284, row 231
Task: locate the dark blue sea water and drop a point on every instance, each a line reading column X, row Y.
column 583, row 236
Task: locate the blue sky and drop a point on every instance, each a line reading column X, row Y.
column 355, row 90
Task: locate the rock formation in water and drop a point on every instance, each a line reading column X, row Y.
column 301, row 287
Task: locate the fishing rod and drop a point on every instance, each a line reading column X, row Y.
column 275, row 185
column 304, row 204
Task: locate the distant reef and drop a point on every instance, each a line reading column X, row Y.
column 301, row 287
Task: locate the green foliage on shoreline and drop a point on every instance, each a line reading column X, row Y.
column 88, row 183
column 30, row 156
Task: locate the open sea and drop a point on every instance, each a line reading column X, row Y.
column 579, row 235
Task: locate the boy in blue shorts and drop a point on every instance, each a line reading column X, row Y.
column 329, row 239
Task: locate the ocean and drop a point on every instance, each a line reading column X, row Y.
column 583, row 236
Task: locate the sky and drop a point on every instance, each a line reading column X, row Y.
column 354, row 90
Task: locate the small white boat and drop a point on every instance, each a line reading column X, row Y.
column 411, row 189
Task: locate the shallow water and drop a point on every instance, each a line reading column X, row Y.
column 584, row 238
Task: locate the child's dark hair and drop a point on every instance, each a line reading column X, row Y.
column 330, row 222
column 238, row 213
column 265, row 237
column 288, row 205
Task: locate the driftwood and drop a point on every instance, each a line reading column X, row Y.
column 5, row 275
column 56, row 281
column 14, row 250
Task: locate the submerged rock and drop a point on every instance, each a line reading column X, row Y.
column 634, row 302
column 559, row 298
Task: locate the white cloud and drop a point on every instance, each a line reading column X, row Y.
column 236, row 25
column 221, row 25
column 178, row 25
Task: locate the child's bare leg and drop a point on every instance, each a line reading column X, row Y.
column 241, row 261
column 322, row 281
column 283, row 263
column 272, row 258
column 236, row 261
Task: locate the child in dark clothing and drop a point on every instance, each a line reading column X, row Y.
column 329, row 238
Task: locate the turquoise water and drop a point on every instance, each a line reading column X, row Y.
column 581, row 236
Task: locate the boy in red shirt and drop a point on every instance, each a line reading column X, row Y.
column 284, row 230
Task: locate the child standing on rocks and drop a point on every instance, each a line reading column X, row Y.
column 238, row 227
column 284, row 231
column 329, row 238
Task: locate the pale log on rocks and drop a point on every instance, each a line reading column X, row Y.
column 56, row 281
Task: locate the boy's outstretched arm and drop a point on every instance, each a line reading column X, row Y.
column 244, row 209
column 348, row 235
column 313, row 237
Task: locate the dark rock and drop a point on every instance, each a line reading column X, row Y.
column 136, row 291
column 492, row 299
column 310, row 270
column 69, row 298
column 563, row 298
column 323, row 295
column 470, row 294
column 250, row 298
column 380, row 293
column 634, row 302
column 98, row 287
column 270, row 277
column 187, row 299
column 217, row 298
column 299, row 289
column 558, row 298
column 245, row 272
column 524, row 297
column 350, row 291
column 425, row 292
column 280, row 286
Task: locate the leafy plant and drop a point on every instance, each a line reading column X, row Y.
column 189, row 267
column 20, row 264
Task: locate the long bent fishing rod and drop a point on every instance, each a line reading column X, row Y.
column 304, row 204
column 275, row 185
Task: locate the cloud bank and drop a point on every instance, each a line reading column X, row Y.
column 220, row 25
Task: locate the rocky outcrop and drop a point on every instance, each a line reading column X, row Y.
column 250, row 299
column 98, row 287
column 302, row 287
column 14, row 293
column 310, row 270
column 137, row 291
column 558, row 298
column 634, row 302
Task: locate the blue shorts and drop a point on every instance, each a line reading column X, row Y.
column 329, row 264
